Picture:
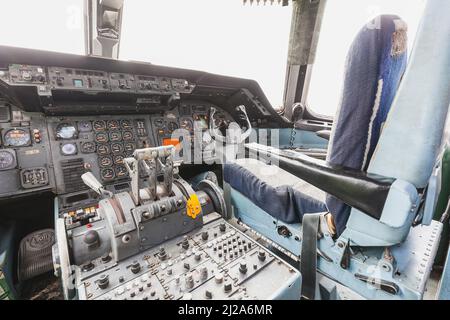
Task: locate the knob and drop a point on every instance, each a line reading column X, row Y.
column 187, row 266
column 227, row 286
column 135, row 267
column 189, row 281
column 205, row 235
column 87, row 267
column 162, row 254
column 198, row 256
column 203, row 273
column 185, row 243
column 208, row 294
column 103, row 281
column 243, row 266
column 106, row 258
column 218, row 278
column 222, row 227
column 91, row 238
column 261, row 255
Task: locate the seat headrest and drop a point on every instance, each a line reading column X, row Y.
column 375, row 65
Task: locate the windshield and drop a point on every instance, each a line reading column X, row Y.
column 218, row 36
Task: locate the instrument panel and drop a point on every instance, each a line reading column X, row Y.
column 51, row 153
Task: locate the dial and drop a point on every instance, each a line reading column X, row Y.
column 127, row 135
column 118, row 159
column 101, row 137
column 7, row 160
column 107, row 174
column 126, row 124
column 121, row 171
column 66, row 131
column 172, row 126
column 69, row 149
column 115, row 136
column 17, row 137
column 103, row 149
column 116, row 148
column 99, row 125
column 186, row 124
column 84, row 126
column 105, row 162
column 129, row 148
column 88, row 147
column 113, row 125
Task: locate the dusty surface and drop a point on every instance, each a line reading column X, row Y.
column 44, row 287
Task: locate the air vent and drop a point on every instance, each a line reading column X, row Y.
column 72, row 170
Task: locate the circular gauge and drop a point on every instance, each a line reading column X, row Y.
column 107, row 174
column 186, row 124
column 159, row 123
column 17, row 137
column 127, row 135
column 105, row 162
column 113, row 125
column 118, row 159
column 115, row 136
column 69, row 149
column 172, row 126
column 121, row 171
column 7, row 160
column 101, row 137
column 99, row 125
column 88, row 147
column 126, row 124
column 103, row 149
column 66, row 131
column 84, row 126
column 116, row 148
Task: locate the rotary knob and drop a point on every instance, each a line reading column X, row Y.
column 208, row 294
column 218, row 278
column 162, row 254
column 227, row 286
column 243, row 267
column 135, row 267
column 203, row 273
column 205, row 235
column 106, row 258
column 198, row 256
column 261, row 255
column 103, row 281
column 185, row 243
column 222, row 227
column 189, row 281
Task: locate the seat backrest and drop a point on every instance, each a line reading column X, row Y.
column 375, row 65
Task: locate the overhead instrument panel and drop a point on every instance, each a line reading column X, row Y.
column 67, row 78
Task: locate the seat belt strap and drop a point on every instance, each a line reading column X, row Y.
column 308, row 257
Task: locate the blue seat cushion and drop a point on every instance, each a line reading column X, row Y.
column 277, row 192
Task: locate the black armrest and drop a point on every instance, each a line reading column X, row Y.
column 357, row 189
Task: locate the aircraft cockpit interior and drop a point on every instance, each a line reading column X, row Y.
column 127, row 180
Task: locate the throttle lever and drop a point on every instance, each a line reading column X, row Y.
column 91, row 181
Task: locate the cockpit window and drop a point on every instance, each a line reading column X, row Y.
column 52, row 25
column 339, row 28
column 218, row 36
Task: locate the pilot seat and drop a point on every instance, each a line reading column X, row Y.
column 355, row 210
